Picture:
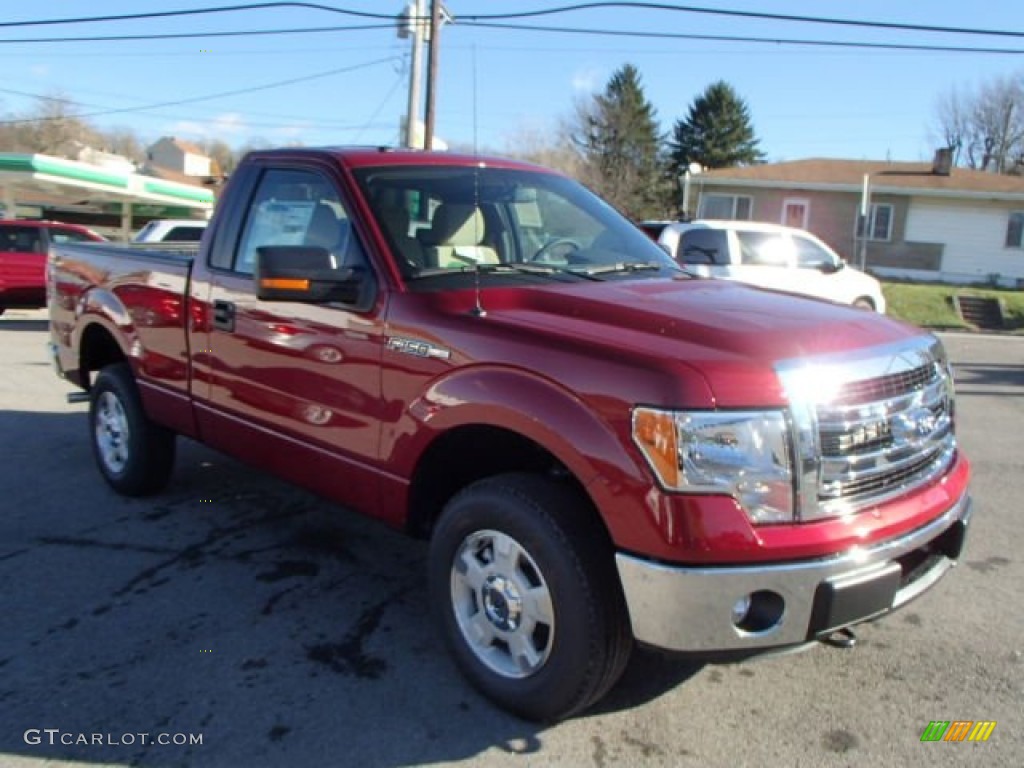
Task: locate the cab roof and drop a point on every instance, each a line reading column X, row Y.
column 369, row 157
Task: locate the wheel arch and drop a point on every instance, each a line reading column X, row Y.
column 98, row 347
column 104, row 334
column 487, row 422
column 467, row 453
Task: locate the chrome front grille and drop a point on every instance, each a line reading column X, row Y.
column 891, row 385
column 871, row 428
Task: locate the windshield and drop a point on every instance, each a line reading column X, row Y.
column 474, row 219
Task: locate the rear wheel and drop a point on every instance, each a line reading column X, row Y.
column 133, row 454
column 523, row 585
column 864, row 303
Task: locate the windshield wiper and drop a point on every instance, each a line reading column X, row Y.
column 621, row 266
column 497, row 269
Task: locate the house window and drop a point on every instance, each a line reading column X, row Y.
column 1015, row 230
column 880, row 222
column 726, row 207
column 795, row 211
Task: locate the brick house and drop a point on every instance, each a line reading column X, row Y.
column 925, row 221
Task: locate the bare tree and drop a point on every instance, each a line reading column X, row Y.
column 998, row 118
column 552, row 149
column 53, row 128
column 953, row 123
column 985, row 128
column 222, row 154
column 126, row 143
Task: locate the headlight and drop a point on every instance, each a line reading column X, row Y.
column 745, row 454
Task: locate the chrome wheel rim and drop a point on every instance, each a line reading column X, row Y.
column 112, row 433
column 502, row 604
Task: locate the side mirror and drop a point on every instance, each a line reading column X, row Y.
column 307, row 274
column 831, row 267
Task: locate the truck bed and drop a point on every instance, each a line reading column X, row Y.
column 138, row 295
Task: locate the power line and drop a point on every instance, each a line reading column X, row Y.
column 143, row 111
column 464, row 22
column 670, row 7
column 198, row 12
column 182, row 35
column 383, row 102
column 851, row 44
column 743, row 39
column 208, row 97
column 744, row 14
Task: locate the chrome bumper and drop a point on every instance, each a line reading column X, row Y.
column 691, row 609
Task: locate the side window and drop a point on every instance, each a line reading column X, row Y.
column 185, row 235
column 703, row 246
column 765, row 249
column 14, row 239
column 810, row 255
column 296, row 207
column 68, row 236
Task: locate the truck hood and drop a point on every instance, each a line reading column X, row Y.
column 731, row 334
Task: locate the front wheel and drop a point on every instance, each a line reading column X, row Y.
column 524, row 588
column 134, row 455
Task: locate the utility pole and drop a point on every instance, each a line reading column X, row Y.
column 432, row 56
column 865, row 214
column 412, row 112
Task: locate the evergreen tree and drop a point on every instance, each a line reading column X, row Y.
column 617, row 133
column 717, row 132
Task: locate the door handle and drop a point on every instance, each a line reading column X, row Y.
column 224, row 315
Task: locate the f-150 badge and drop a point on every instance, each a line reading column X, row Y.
column 417, row 348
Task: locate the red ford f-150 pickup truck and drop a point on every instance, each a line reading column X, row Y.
column 601, row 448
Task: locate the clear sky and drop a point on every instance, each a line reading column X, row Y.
column 495, row 84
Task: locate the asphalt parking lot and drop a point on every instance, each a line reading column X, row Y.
column 282, row 631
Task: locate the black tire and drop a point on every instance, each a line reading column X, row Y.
column 134, row 455
column 864, row 303
column 579, row 644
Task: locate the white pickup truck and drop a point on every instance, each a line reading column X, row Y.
column 770, row 256
column 172, row 231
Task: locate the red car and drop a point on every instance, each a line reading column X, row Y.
column 23, row 248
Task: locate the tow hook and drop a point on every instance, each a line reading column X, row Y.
column 841, row 638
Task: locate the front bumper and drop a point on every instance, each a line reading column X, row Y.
column 691, row 609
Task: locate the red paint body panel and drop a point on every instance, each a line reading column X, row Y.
column 315, row 394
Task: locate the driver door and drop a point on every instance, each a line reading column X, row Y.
column 291, row 382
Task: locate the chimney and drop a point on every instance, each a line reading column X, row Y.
column 942, row 165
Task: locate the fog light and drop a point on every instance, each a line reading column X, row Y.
column 759, row 612
column 740, row 609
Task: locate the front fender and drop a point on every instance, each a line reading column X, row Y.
column 594, row 446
